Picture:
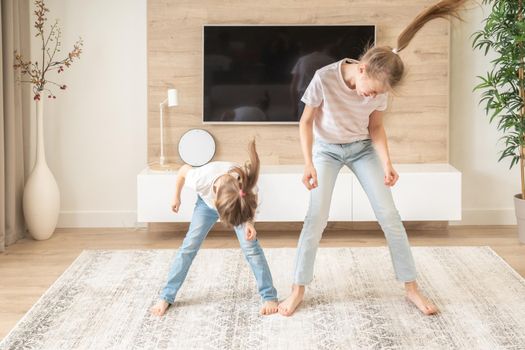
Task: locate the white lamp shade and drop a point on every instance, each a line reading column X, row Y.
column 173, row 98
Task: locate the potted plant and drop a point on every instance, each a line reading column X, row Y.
column 504, row 85
column 41, row 199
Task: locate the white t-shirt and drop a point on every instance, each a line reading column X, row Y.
column 201, row 180
column 343, row 115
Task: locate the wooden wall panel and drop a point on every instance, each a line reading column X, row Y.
column 417, row 119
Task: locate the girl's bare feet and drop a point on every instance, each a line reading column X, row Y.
column 290, row 304
column 422, row 303
column 269, row 307
column 159, row 308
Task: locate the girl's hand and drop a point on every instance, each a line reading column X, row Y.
column 175, row 204
column 310, row 177
column 249, row 231
column 391, row 175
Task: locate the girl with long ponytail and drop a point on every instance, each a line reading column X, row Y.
column 342, row 114
column 227, row 191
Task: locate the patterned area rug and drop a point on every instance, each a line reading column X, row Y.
column 102, row 300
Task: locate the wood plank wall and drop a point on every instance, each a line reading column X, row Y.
column 417, row 119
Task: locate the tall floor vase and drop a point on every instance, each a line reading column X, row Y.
column 41, row 201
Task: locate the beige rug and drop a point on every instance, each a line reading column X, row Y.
column 102, row 300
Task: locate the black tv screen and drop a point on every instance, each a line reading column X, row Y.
column 258, row 73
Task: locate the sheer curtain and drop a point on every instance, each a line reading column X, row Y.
column 14, row 117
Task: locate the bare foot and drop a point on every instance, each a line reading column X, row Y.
column 159, row 308
column 290, row 304
column 422, row 303
column 269, row 307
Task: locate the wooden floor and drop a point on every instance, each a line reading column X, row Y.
column 29, row 267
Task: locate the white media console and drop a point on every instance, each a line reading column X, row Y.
column 424, row 192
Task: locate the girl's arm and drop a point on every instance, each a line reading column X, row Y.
column 179, row 184
column 249, row 227
column 307, row 137
column 378, row 136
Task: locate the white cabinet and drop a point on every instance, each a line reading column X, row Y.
column 283, row 196
column 426, row 192
column 154, row 194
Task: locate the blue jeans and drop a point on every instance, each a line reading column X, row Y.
column 202, row 221
column 362, row 159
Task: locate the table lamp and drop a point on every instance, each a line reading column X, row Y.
column 171, row 101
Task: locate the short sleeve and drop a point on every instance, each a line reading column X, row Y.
column 382, row 102
column 313, row 96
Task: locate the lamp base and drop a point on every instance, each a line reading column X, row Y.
column 156, row 166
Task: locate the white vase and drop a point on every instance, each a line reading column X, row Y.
column 41, row 200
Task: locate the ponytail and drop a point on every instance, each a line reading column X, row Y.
column 249, row 173
column 443, row 9
column 236, row 202
column 384, row 63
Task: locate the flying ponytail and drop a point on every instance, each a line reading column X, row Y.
column 236, row 199
column 443, row 9
column 384, row 63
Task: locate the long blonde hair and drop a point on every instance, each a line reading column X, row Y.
column 383, row 62
column 236, row 202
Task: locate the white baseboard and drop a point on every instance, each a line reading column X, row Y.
column 487, row 217
column 124, row 218
column 88, row 218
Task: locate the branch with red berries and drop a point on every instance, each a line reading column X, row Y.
column 36, row 71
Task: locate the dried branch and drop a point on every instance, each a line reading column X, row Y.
column 37, row 73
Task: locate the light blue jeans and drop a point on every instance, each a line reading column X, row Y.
column 362, row 159
column 202, row 221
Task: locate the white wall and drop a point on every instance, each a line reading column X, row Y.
column 96, row 129
column 488, row 186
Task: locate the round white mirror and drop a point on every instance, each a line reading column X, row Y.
column 196, row 147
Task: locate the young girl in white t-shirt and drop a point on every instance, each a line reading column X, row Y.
column 343, row 108
column 226, row 191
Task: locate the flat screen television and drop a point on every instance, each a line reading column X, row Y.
column 258, row 73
